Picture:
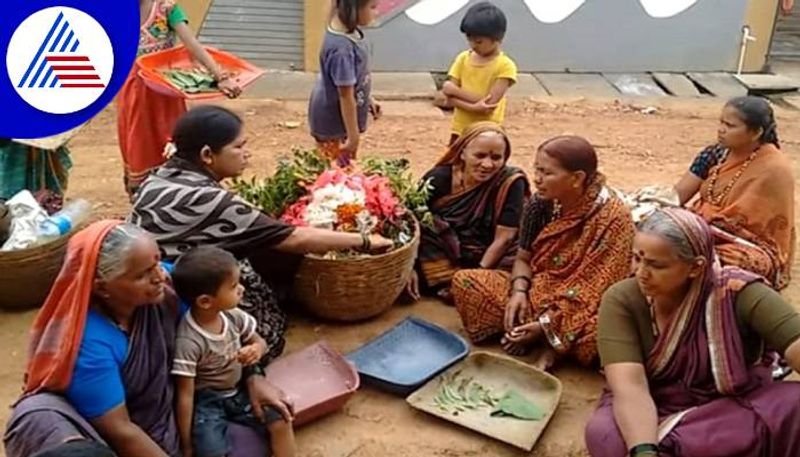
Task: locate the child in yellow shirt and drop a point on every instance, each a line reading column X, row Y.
column 480, row 76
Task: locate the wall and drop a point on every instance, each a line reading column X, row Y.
column 196, row 10
column 578, row 35
column 761, row 15
column 316, row 15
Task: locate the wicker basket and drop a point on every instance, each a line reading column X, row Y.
column 27, row 275
column 354, row 289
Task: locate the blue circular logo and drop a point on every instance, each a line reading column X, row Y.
column 65, row 61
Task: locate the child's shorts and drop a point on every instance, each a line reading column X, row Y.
column 213, row 410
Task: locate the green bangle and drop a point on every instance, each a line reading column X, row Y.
column 644, row 448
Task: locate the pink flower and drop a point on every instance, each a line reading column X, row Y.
column 381, row 201
column 295, row 214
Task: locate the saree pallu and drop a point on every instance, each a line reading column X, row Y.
column 576, row 257
column 145, row 120
column 757, row 213
column 464, row 227
column 710, row 402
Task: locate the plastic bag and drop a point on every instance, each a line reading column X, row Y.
column 26, row 218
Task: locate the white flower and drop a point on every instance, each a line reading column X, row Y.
column 321, row 211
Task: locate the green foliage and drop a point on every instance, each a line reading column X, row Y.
column 412, row 193
column 275, row 193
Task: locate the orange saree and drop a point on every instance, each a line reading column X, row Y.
column 753, row 208
column 575, row 258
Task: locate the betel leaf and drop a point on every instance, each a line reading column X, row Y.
column 515, row 405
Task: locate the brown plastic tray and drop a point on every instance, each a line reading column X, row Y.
column 317, row 379
column 499, row 374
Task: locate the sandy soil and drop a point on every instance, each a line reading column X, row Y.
column 635, row 149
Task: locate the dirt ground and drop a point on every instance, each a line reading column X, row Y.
column 635, row 149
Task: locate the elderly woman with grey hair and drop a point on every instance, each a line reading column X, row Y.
column 683, row 347
column 100, row 353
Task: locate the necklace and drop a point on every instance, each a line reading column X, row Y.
column 717, row 200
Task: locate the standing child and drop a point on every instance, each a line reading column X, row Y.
column 479, row 77
column 341, row 102
column 214, row 340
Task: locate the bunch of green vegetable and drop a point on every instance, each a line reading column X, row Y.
column 457, row 394
column 191, row 81
column 275, row 193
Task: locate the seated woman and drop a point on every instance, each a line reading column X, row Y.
column 681, row 345
column 745, row 190
column 575, row 242
column 43, row 172
column 183, row 205
column 103, row 342
column 476, row 200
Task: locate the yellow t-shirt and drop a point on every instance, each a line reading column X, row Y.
column 479, row 79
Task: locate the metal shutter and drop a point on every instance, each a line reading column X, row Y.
column 268, row 33
column 786, row 41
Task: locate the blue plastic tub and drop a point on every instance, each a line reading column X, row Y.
column 408, row 355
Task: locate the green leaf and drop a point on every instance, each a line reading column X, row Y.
column 515, row 405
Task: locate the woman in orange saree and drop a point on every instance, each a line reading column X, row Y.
column 575, row 242
column 744, row 186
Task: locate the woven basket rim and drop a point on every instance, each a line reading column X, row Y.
column 27, row 252
column 369, row 257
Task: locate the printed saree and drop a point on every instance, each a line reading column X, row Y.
column 43, row 172
column 756, row 216
column 465, row 221
column 709, row 401
column 575, row 258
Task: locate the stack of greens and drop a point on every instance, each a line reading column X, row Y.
column 191, row 81
column 457, row 394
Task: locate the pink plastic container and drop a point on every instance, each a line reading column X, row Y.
column 317, row 379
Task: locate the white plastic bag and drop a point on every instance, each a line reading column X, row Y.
column 26, row 218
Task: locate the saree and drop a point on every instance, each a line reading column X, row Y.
column 57, row 333
column 756, row 216
column 44, row 421
column 145, row 118
column 43, row 172
column 182, row 206
column 575, row 258
column 55, row 342
column 465, row 221
column 709, row 401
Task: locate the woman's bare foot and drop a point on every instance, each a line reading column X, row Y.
column 520, row 340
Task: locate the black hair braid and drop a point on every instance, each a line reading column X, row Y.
column 770, row 134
